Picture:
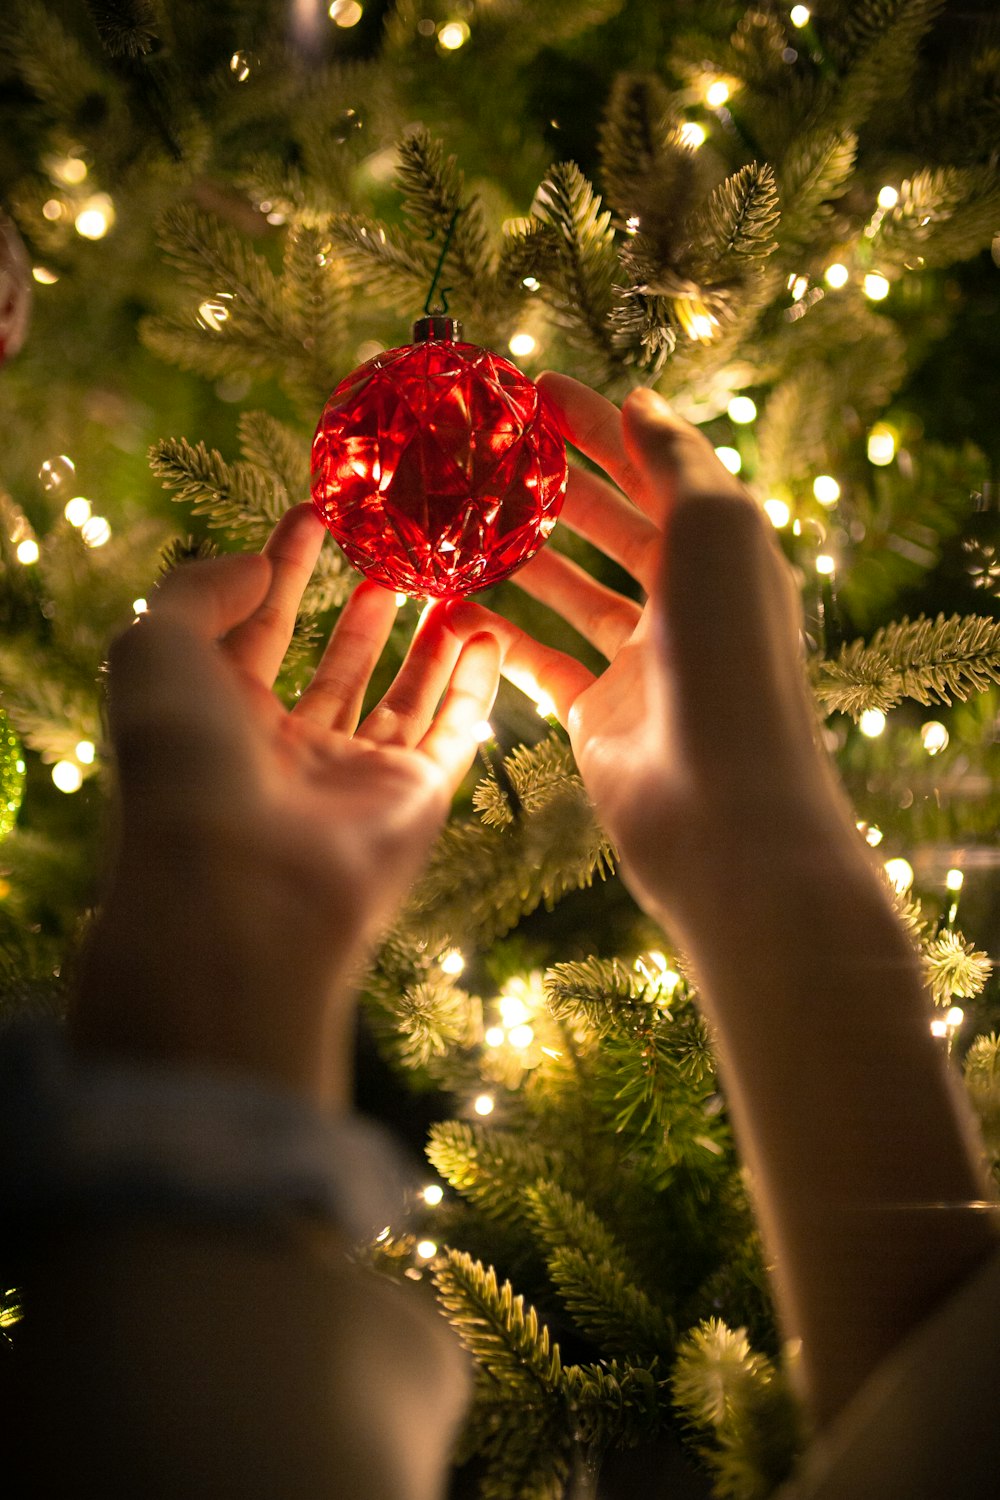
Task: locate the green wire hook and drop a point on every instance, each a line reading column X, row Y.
column 439, row 312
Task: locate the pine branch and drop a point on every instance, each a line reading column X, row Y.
column 600, row 994
column 876, row 50
column 580, row 292
column 127, row 28
column 734, row 232
column 212, row 259
column 237, row 497
column 617, row 1405
column 953, row 968
column 52, row 62
column 316, row 294
column 929, row 661
column 816, row 170
column 943, row 215
column 538, row 773
column 432, row 1018
column 433, row 193
column 380, row 260
column 491, row 1168
column 279, row 452
column 982, row 1080
column 505, row 1338
column 592, row 1274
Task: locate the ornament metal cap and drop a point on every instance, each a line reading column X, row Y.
column 438, row 327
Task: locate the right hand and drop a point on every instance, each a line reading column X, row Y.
column 698, row 742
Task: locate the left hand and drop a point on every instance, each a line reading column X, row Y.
column 263, row 851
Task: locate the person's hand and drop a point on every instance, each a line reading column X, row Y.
column 262, row 851
column 698, row 742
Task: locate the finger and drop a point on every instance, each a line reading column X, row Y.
column 175, row 714
column 210, row 597
column 604, row 618
column 258, row 645
column 405, row 712
column 722, row 606
column 594, row 425
column 336, row 694
column 452, row 739
column 597, row 511
column 543, row 674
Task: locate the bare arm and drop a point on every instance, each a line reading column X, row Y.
column 698, row 745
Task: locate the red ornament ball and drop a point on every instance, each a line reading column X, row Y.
column 438, row 467
column 15, row 289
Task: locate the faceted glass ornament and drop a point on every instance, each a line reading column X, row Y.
column 438, row 467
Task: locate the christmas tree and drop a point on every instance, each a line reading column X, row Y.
column 780, row 219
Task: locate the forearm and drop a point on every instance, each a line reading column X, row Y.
column 215, row 1363
column 860, row 1151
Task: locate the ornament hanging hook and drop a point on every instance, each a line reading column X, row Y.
column 429, row 310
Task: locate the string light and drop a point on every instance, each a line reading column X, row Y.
column 900, row 873
column 85, row 752
column 452, row 35
column 530, row 283
column 70, row 171
column 67, row 776
column 521, row 1036
column 874, row 836
column 954, row 881
column 742, row 410
column 521, row 344
column 799, row 15
column 881, row 445
column 44, row 276
column 27, row 552
column 484, row 1104
column 777, row 512
column 888, row 197
column 452, row 962
column 826, row 489
column 139, row 606
column 872, row 723
column 545, row 706
column 426, row 1249
column 513, row 1010
column 825, row 564
column 875, row 286
column 494, row 1036
column 482, row 732
column 934, row 737
column 716, row 93
column 95, row 218
column 96, row 531
column 729, row 458
column 692, row 135
column 52, row 209
column 836, row 275
column 345, row 13
column 632, row 224
column 954, row 1017
column 798, row 286
column 77, row 510
column 401, row 600
column 432, row 1194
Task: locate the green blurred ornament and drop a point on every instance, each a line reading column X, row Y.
column 11, row 776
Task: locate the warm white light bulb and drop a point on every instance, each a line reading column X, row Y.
column 875, row 286
column 836, row 275
column 954, row 1017
column 825, row 564
column 44, row 276
column 482, row 731
column 692, row 135
column 900, row 873
column 452, row 962
column 513, row 1010
column 27, row 552
column 742, row 410
column 67, row 776
column 888, row 197
column 881, row 445
column 954, row 880
column 452, row 35
column 872, row 723
column 717, row 93
column 521, row 1037
column 799, row 15
column 826, row 489
column 874, row 836
column 493, row 1036
column 934, row 737
column 545, row 706
column 96, row 531
column 85, row 752
column 427, row 1249
column 139, row 606
column 95, row 218
column 77, row 510
column 345, row 13
column 530, row 283
column 432, row 1194
column 729, row 458
column 778, row 513
column 521, row 344
column 484, row 1104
